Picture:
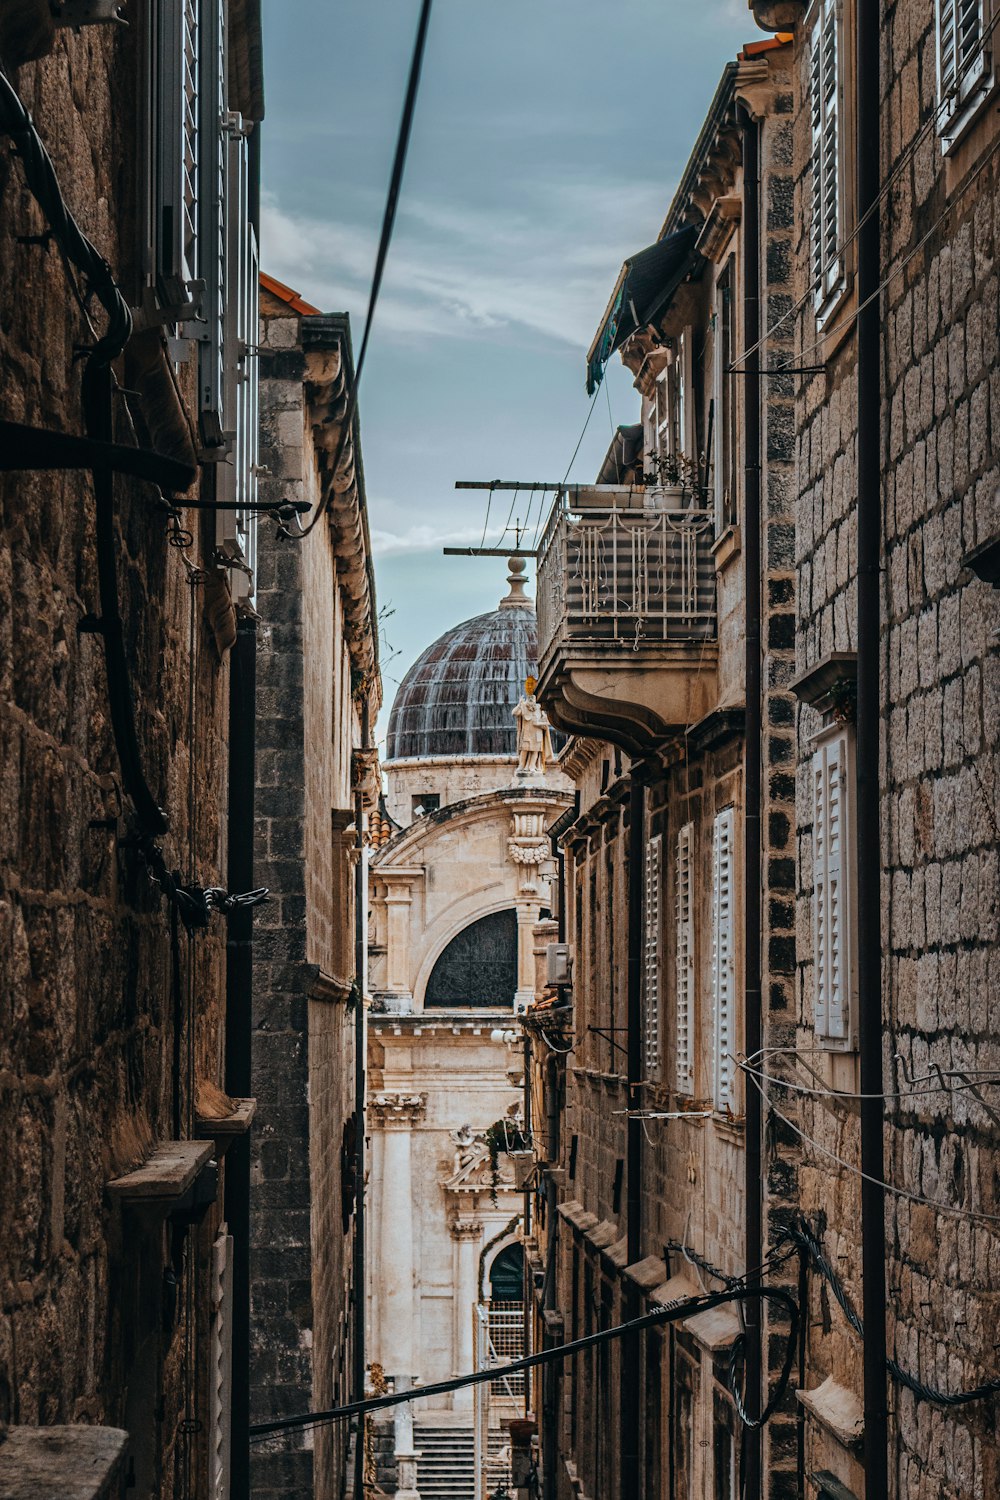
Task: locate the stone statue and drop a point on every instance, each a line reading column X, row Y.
column 534, row 741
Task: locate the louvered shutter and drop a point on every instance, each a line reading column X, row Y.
column 724, row 956
column 212, row 222
column 685, row 975
column 651, row 956
column 824, row 91
column 963, row 58
column 220, row 1375
column 237, row 476
column 832, row 904
column 177, row 147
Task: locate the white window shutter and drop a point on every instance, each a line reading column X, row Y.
column 212, row 222
column 832, row 903
column 724, row 956
column 685, row 975
column 963, row 59
column 652, row 926
column 220, row 1375
column 177, row 146
column 824, row 103
column 236, row 529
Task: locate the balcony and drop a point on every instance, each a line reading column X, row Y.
column 626, row 614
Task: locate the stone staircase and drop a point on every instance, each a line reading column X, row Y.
column 446, row 1466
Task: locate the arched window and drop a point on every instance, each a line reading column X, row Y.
column 479, row 965
column 507, row 1275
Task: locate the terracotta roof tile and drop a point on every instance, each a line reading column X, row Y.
column 286, row 294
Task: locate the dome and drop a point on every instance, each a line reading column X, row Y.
column 457, row 697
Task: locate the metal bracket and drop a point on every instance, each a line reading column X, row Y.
column 77, row 13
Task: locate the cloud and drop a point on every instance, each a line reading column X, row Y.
column 544, row 265
column 423, row 538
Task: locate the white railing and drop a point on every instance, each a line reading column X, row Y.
column 637, row 570
column 498, row 1340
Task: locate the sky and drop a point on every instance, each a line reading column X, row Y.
column 548, row 139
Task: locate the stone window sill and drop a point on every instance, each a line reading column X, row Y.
column 164, row 1177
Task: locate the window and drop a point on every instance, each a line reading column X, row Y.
column 177, row 146
column 964, row 64
column 478, row 967
column 726, row 446
column 832, row 901
column 425, row 802
column 668, row 438
column 827, row 187
column 651, row 957
column 723, row 958
column 685, row 977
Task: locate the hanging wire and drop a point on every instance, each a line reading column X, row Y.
column 973, row 1215
column 385, row 238
column 939, row 112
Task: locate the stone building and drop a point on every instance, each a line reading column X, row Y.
column 456, row 892
column 127, row 387
column 924, row 479
column 318, row 692
column 666, row 640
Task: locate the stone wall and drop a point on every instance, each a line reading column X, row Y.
column 938, row 774
column 87, row 1071
column 308, row 727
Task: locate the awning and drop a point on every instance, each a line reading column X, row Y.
column 647, row 281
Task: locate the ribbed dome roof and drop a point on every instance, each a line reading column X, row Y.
column 457, row 697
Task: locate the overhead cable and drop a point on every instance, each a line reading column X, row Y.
column 388, row 222
column 671, row 1312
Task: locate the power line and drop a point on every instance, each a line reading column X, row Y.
column 388, row 222
column 988, row 1220
column 671, row 1312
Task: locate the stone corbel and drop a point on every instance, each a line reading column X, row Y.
column 720, row 226
column 465, row 1229
column 364, row 776
column 777, row 15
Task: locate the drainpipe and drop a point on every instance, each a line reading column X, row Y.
column 239, row 1026
column 360, row 944
column 630, row 1415
column 752, row 855
column 873, row 1244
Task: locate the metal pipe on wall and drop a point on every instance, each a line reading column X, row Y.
column 630, row 1414
column 239, row 1026
column 360, row 1041
column 868, row 158
column 752, row 851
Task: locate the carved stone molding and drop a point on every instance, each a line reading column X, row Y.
column 466, row 1229
column 397, row 1111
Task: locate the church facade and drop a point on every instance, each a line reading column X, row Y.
column 456, row 891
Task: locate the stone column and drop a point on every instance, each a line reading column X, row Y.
column 466, row 1233
column 527, row 916
column 395, row 1115
column 398, row 901
column 528, row 849
column 406, row 1453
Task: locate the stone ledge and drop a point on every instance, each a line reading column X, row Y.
column 164, row 1175
column 837, row 1409
column 73, row 1463
column 717, row 1328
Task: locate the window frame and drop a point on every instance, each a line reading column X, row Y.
column 974, row 82
column 726, row 435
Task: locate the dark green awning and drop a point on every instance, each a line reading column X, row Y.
column 647, row 282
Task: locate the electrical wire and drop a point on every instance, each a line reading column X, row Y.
column 905, row 158
column 671, row 1312
column 825, row 1093
column 385, row 238
column 974, row 1216
column 802, row 1235
column 852, row 317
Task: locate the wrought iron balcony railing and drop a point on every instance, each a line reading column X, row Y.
column 625, row 566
